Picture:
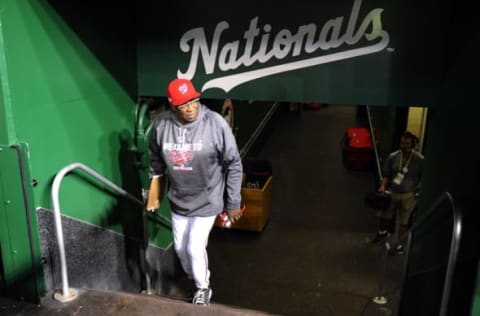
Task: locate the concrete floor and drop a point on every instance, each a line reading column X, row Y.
column 314, row 255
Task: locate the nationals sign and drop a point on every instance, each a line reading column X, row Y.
column 355, row 51
column 308, row 40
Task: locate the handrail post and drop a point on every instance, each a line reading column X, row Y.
column 380, row 299
column 453, row 252
column 452, row 259
column 374, row 141
column 68, row 294
column 144, row 262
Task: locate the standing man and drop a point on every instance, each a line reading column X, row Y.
column 402, row 173
column 194, row 148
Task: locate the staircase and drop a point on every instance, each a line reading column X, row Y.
column 94, row 302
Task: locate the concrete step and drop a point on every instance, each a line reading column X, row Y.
column 96, row 302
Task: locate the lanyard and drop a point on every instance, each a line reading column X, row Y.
column 405, row 168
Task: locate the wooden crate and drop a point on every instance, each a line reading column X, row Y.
column 258, row 205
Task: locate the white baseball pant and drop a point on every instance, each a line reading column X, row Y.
column 190, row 239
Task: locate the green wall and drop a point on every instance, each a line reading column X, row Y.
column 453, row 166
column 476, row 307
column 68, row 78
column 69, row 102
column 67, row 106
column 7, row 132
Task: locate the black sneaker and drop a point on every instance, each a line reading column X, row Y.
column 399, row 250
column 380, row 237
column 202, row 297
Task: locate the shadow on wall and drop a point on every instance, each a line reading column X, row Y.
column 108, row 255
column 126, row 213
column 93, row 26
column 18, row 291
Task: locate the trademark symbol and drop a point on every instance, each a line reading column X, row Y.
column 390, row 49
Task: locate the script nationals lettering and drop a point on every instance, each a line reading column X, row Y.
column 306, row 41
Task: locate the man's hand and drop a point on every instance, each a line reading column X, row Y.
column 235, row 214
column 383, row 185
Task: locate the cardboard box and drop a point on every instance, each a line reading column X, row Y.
column 258, row 202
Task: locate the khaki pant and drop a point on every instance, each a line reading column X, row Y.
column 404, row 203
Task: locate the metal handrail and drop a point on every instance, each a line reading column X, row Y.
column 375, row 149
column 454, row 244
column 68, row 294
column 244, row 150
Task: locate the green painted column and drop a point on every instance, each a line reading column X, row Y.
column 19, row 240
column 476, row 305
column 7, row 129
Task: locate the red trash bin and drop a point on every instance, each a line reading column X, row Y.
column 357, row 148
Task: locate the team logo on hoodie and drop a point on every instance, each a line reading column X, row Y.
column 180, row 159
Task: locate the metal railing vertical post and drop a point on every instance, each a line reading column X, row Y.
column 374, row 142
column 453, row 250
column 68, row 294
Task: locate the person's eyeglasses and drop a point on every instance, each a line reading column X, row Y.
column 186, row 105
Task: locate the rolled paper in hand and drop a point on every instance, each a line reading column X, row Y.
column 153, row 201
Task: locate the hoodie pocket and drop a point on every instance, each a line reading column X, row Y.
column 188, row 199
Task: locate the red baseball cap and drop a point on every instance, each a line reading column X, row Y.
column 180, row 91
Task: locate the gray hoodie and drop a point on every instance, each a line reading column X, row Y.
column 201, row 161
